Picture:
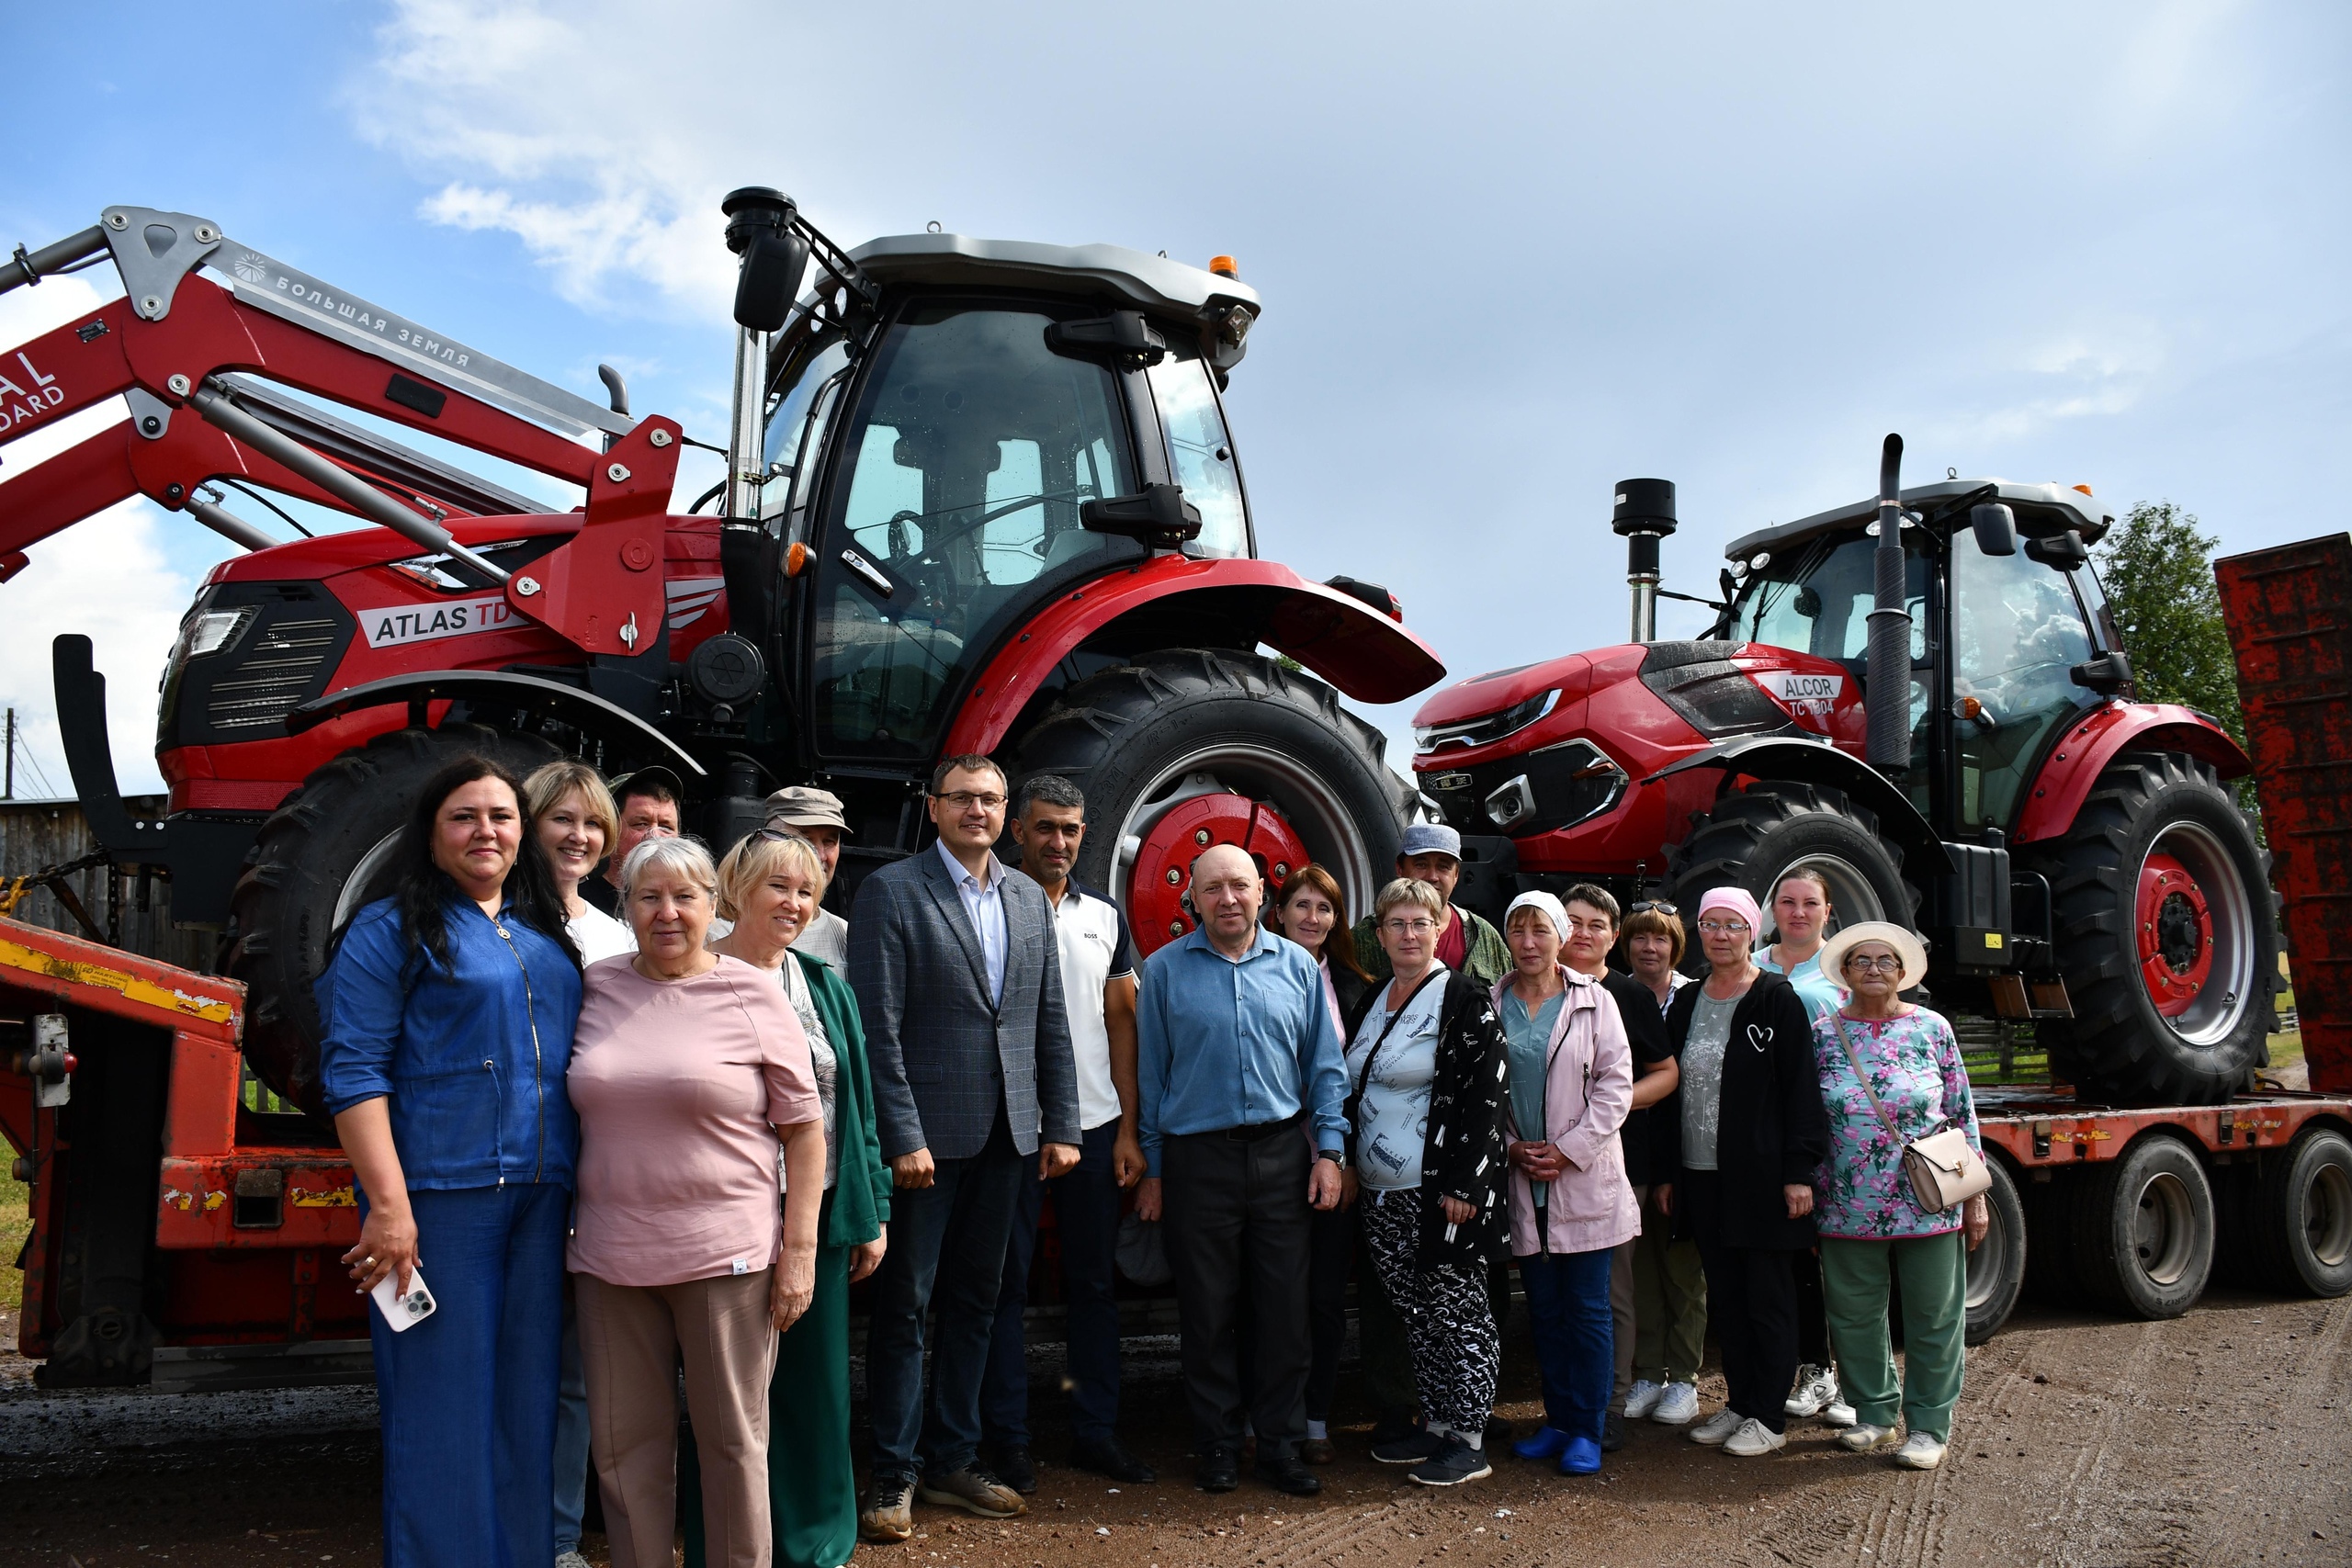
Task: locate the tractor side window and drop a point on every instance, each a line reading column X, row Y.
column 1200, row 454
column 2018, row 634
column 794, row 438
column 971, row 449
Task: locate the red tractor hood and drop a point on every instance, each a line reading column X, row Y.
column 1500, row 689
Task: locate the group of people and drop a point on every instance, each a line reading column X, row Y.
column 643, row 1116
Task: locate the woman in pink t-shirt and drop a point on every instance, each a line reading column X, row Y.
column 688, row 1069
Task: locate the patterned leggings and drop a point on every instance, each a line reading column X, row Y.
column 1457, row 1355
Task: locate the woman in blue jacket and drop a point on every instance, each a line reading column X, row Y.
column 447, row 1012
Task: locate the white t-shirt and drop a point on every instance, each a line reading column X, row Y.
column 1092, row 937
column 1394, row 1107
column 827, row 939
column 599, row 936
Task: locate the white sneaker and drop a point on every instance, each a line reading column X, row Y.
column 1839, row 1413
column 1678, row 1406
column 1921, row 1450
column 1643, row 1398
column 571, row 1560
column 1754, row 1437
column 1716, row 1428
column 1816, row 1386
column 1865, row 1439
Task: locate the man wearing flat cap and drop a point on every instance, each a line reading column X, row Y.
column 1431, row 852
column 816, row 815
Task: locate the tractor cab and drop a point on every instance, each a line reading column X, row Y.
column 993, row 425
column 2009, row 639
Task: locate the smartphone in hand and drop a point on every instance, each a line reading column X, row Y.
column 402, row 1313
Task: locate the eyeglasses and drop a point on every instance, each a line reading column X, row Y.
column 1883, row 964
column 1660, row 904
column 780, row 836
column 1408, row 927
column 965, row 799
column 1722, row 928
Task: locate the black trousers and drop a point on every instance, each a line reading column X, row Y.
column 1751, row 1305
column 1813, row 1312
column 1238, row 1226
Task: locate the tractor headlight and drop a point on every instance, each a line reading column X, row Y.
column 211, row 631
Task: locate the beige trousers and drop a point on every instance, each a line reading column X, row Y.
column 632, row 1340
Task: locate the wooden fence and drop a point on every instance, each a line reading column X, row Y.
column 37, row 834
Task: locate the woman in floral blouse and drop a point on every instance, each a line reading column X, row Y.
column 1871, row 1225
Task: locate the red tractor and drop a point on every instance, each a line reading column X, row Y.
column 2073, row 855
column 980, row 498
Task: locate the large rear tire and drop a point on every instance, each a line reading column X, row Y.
column 1755, row 838
column 325, row 852
column 2166, row 936
column 1145, row 739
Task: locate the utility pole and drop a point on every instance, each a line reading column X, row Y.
column 9, row 793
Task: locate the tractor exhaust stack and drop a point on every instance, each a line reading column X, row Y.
column 1888, row 694
column 1643, row 515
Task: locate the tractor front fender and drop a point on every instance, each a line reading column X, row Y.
column 1171, row 602
column 1815, row 761
column 2082, row 752
column 498, row 689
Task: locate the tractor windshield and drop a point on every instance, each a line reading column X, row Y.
column 962, row 470
column 1817, row 599
column 2018, row 635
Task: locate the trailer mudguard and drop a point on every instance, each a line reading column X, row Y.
column 1815, row 761
column 2083, row 752
column 1363, row 653
column 584, row 710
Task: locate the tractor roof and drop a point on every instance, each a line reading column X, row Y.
column 2040, row 509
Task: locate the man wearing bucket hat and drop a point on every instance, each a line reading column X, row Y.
column 1753, row 1132
column 1431, row 852
column 816, row 815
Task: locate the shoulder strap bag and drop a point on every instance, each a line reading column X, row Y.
column 1364, row 1074
column 1944, row 1171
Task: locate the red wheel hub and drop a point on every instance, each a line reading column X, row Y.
column 2175, row 928
column 1157, row 910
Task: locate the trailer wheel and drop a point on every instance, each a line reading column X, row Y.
column 1997, row 1268
column 2143, row 1229
column 2302, row 1234
column 1755, row 837
column 326, row 850
column 2166, row 936
column 1183, row 743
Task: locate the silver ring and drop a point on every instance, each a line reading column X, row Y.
column 367, row 1263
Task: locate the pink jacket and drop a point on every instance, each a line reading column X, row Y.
column 1587, row 1089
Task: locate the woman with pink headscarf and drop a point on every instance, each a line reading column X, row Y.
column 1754, row 1131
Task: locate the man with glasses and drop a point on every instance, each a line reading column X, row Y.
column 1238, row 1057
column 1431, row 852
column 952, row 955
column 1098, row 968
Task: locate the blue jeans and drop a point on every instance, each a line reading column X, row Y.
column 467, row 1398
column 1568, row 1299
column 1086, row 1217
column 947, row 1247
column 571, row 1437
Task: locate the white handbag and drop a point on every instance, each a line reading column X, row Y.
column 1944, row 1171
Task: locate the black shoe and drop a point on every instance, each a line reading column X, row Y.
column 1612, row 1432
column 1288, row 1472
column 1108, row 1456
column 1412, row 1448
column 1450, row 1466
column 1219, row 1471
column 1392, row 1426
column 1014, row 1468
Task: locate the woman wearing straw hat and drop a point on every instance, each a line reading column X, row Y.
column 1753, row 1133
column 1891, row 1072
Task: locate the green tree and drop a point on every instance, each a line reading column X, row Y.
column 2158, row 570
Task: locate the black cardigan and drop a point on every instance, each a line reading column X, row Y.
column 1772, row 1130
column 1462, row 1152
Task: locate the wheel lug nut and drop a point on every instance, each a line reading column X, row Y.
column 1175, row 877
column 1201, row 836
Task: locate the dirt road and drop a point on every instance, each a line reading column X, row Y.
column 2223, row 1437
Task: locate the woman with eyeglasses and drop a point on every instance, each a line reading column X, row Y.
column 1425, row 1105
column 1670, row 1286
column 1752, row 1133
column 1891, row 1072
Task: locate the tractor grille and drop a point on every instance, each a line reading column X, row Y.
column 280, row 664
column 1556, row 787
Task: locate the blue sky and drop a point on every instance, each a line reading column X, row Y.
column 1509, row 254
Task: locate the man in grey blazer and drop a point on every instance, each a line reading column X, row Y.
column 958, row 980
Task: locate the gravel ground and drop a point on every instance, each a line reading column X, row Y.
column 2219, row 1438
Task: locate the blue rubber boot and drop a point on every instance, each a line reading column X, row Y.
column 1581, row 1456
column 1548, row 1442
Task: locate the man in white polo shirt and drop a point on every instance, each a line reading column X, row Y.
column 1099, row 989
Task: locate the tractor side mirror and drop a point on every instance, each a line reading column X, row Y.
column 2109, row 673
column 1997, row 528
column 1159, row 517
column 775, row 257
column 2066, row 551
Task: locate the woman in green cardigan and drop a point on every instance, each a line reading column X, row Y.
column 770, row 885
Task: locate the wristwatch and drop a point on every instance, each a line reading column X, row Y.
column 1336, row 1157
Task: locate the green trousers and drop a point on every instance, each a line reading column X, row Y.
column 1934, row 1271
column 813, row 1486
column 1670, row 1301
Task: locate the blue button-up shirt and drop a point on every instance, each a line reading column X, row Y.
column 984, row 907
column 472, row 1055
column 1222, row 1043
